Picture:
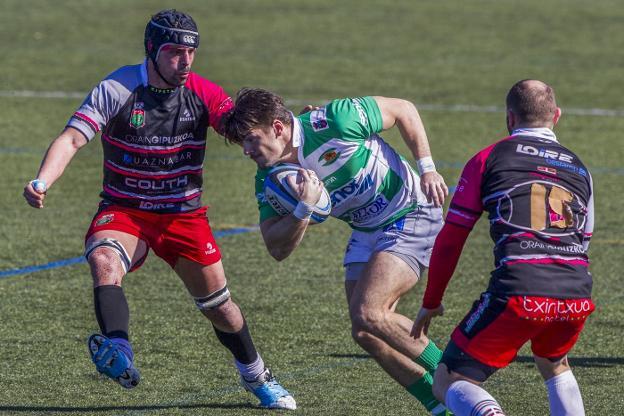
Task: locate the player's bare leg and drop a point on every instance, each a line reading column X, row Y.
column 201, row 281
column 208, row 286
column 372, row 326
column 106, row 265
column 564, row 395
column 110, row 255
column 385, row 279
column 384, row 333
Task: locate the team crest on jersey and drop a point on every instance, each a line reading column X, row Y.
column 318, row 119
column 105, row 219
column 137, row 116
column 329, row 157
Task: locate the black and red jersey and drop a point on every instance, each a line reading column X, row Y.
column 538, row 196
column 154, row 141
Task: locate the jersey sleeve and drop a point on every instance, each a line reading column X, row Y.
column 355, row 118
column 214, row 98
column 464, row 211
column 466, row 206
column 265, row 209
column 105, row 101
column 446, row 252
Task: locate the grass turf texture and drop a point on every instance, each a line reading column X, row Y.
column 443, row 53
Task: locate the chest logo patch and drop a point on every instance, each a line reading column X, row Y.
column 329, row 157
column 137, row 116
column 187, row 116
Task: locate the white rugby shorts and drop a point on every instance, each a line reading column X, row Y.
column 410, row 238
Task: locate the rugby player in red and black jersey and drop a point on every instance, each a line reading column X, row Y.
column 154, row 119
column 539, row 199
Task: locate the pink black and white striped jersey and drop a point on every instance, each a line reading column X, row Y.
column 539, row 200
column 154, row 141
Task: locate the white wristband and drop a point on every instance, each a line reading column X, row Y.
column 425, row 165
column 39, row 185
column 303, row 211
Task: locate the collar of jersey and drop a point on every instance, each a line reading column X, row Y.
column 539, row 132
column 298, row 138
column 297, row 133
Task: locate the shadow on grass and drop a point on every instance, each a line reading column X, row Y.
column 355, row 356
column 599, row 362
column 88, row 409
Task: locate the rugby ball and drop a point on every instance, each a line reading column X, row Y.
column 283, row 198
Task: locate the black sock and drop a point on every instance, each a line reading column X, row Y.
column 111, row 311
column 239, row 344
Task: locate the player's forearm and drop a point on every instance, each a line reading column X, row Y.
column 403, row 114
column 58, row 156
column 446, row 252
column 283, row 237
column 413, row 132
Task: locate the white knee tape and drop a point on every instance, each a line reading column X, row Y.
column 213, row 300
column 115, row 246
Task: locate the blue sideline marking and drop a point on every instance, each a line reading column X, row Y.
column 81, row 259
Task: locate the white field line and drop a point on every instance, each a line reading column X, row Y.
column 452, row 108
column 42, row 94
column 472, row 108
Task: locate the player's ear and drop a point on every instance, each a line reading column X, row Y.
column 278, row 127
column 511, row 120
column 557, row 116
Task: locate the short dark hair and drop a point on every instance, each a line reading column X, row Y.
column 532, row 101
column 253, row 108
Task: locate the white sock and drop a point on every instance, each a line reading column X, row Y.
column 466, row 399
column 564, row 395
column 252, row 370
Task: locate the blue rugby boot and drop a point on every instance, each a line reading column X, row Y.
column 271, row 394
column 111, row 361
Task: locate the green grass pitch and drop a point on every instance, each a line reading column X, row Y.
column 455, row 59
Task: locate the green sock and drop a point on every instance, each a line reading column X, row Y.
column 430, row 357
column 421, row 389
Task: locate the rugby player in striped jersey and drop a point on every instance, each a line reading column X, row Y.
column 394, row 213
column 539, row 199
column 154, row 119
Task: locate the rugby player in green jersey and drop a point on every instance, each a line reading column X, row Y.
column 395, row 214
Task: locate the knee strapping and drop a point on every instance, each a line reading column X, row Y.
column 213, row 300
column 115, row 246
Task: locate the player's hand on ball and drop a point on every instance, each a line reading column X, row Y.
column 307, row 186
column 434, row 188
column 34, row 193
column 423, row 319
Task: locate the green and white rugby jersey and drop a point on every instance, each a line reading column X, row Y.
column 370, row 184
